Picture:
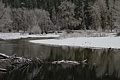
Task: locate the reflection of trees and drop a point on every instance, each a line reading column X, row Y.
column 35, row 71
column 106, row 63
column 62, row 53
column 117, row 63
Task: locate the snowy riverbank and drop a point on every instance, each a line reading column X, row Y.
column 9, row 36
column 94, row 42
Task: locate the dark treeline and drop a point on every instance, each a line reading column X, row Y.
column 68, row 14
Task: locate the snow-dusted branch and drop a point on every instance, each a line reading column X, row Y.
column 69, row 62
column 2, row 15
column 3, row 56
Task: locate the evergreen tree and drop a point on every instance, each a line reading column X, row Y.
column 67, row 15
column 113, row 14
column 117, row 14
column 99, row 15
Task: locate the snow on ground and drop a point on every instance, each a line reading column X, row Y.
column 7, row 36
column 88, row 33
column 94, row 42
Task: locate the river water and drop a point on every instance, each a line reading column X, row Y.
column 101, row 64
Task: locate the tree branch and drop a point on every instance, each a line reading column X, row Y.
column 2, row 14
column 3, row 70
column 3, row 56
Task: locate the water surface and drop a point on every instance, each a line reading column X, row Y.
column 102, row 64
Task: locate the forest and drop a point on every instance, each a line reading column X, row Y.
column 55, row 15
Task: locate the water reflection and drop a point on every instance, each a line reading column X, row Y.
column 102, row 64
column 53, row 72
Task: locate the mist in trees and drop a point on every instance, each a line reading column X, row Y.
column 50, row 15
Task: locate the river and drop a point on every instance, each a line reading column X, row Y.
column 101, row 64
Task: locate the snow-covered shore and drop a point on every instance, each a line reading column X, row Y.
column 9, row 36
column 93, row 42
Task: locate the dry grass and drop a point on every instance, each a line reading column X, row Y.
column 82, row 33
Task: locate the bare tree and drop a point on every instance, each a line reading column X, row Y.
column 2, row 11
column 43, row 20
column 30, row 19
column 5, row 18
column 22, row 19
column 95, row 15
column 16, row 16
column 111, row 6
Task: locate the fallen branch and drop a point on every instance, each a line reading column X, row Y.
column 21, row 63
column 66, row 62
column 69, row 62
column 2, row 15
column 3, row 70
column 3, row 56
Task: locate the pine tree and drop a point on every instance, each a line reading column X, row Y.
column 99, row 15
column 116, row 15
column 67, row 15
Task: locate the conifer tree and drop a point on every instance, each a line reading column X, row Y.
column 67, row 15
